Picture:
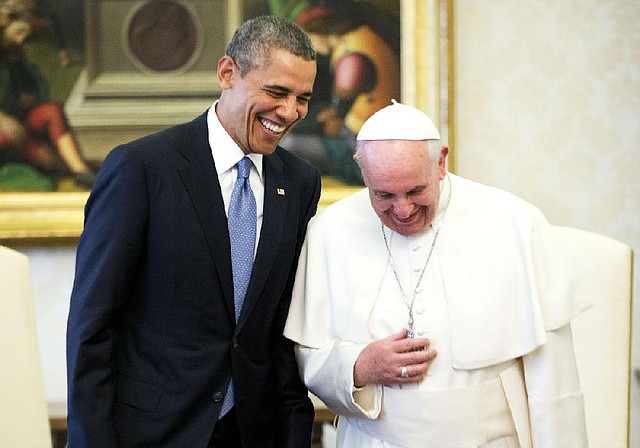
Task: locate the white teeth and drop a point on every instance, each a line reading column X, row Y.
column 272, row 127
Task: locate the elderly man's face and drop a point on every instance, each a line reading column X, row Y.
column 404, row 184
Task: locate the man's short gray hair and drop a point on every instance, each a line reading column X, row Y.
column 433, row 147
column 254, row 39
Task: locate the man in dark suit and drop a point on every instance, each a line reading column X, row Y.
column 153, row 340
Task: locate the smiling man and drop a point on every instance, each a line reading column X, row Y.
column 186, row 265
column 429, row 311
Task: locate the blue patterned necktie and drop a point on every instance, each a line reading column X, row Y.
column 242, row 232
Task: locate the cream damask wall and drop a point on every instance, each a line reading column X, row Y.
column 547, row 106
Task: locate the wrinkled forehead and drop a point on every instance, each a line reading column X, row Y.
column 393, row 151
column 381, row 159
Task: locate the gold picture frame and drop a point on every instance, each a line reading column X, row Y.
column 426, row 71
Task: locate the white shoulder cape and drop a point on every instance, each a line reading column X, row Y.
column 505, row 284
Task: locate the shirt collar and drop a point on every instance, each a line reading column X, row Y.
column 443, row 201
column 436, row 222
column 226, row 152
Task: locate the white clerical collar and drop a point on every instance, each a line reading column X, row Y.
column 226, row 152
column 443, row 201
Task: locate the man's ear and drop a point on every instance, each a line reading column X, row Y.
column 227, row 69
column 442, row 162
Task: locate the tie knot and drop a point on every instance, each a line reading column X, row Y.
column 244, row 167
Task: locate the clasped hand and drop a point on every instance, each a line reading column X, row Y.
column 382, row 362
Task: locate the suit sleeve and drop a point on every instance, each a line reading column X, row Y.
column 297, row 410
column 107, row 256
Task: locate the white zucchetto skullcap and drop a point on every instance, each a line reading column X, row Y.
column 398, row 122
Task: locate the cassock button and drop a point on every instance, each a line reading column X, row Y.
column 217, row 397
column 235, row 343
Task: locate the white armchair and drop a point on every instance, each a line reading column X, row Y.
column 23, row 408
column 602, row 335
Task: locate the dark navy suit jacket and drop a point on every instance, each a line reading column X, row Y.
column 151, row 337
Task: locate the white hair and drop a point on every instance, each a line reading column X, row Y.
column 433, row 148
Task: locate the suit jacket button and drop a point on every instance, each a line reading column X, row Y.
column 235, row 343
column 217, row 397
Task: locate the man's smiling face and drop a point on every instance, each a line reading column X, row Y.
column 403, row 182
column 259, row 108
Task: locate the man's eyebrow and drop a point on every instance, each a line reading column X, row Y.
column 414, row 190
column 276, row 87
column 417, row 189
column 282, row 89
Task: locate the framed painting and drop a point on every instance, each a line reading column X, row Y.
column 119, row 86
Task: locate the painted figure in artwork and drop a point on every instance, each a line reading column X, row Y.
column 33, row 130
column 358, row 50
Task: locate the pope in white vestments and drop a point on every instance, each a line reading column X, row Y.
column 431, row 311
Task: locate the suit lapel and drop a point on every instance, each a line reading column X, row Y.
column 201, row 181
column 276, row 200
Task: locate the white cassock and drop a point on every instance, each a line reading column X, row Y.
column 495, row 300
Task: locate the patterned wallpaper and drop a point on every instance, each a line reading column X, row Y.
column 547, row 105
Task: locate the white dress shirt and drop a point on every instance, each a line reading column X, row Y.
column 226, row 154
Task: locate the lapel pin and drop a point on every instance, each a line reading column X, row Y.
column 280, row 191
